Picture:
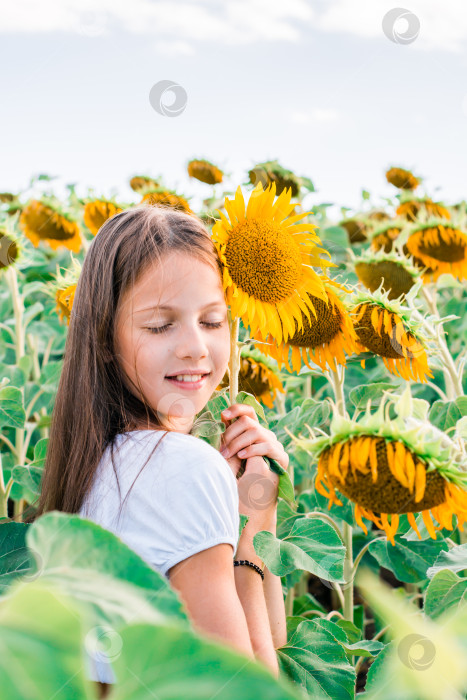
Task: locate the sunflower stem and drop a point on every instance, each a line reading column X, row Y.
column 234, row 360
column 452, row 379
column 11, row 277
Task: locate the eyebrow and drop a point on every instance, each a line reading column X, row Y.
column 174, row 308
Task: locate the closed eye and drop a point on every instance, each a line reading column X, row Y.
column 162, row 329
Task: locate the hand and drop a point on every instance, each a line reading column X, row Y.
column 247, row 438
column 258, row 485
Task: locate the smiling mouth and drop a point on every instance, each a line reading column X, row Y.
column 188, row 379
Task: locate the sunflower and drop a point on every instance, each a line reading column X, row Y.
column 384, row 236
column 387, row 329
column 392, row 467
column 141, row 183
column 63, row 288
column 7, row 197
column 97, row 212
column 323, row 340
column 378, row 215
column 393, row 272
column 167, row 198
column 269, row 172
column 204, row 171
column 42, row 221
column 441, row 247
column 356, row 230
column 267, row 259
column 411, row 208
column 402, row 179
column 9, row 249
column 257, row 376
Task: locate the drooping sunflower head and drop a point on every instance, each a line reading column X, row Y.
column 389, row 467
column 267, row 261
column 62, row 289
column 257, row 376
column 7, row 197
column 387, row 328
column 204, row 171
column 97, row 211
column 356, row 230
column 166, row 198
column 383, row 237
column 269, row 172
column 44, row 221
column 402, row 179
column 143, row 183
column 421, row 208
column 324, row 338
column 439, row 246
column 378, row 215
column 13, row 253
column 391, row 271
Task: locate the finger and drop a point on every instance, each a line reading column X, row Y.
column 241, row 425
column 265, row 449
column 239, row 409
column 247, row 438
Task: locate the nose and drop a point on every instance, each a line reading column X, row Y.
column 191, row 342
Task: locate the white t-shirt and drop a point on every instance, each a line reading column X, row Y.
column 184, row 500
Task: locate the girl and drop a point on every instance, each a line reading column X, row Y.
column 147, row 345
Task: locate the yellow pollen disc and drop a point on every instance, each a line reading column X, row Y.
column 263, row 260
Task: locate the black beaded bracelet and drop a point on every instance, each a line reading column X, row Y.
column 239, row 562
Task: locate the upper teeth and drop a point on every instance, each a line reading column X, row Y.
column 189, row 377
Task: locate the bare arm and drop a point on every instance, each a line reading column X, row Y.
column 251, row 592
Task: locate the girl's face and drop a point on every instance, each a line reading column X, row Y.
column 173, row 324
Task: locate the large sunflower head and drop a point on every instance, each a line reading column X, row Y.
column 388, row 329
column 356, row 230
column 392, row 271
column 62, row 289
column 257, row 376
column 383, row 237
column 97, row 211
column 402, row 179
column 421, row 208
column 44, row 221
column 267, row 261
column 166, row 198
column 271, row 172
column 439, row 246
column 143, row 183
column 389, row 467
column 324, row 338
column 204, row 171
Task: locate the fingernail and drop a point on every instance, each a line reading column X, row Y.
column 224, row 451
column 227, row 414
column 241, row 453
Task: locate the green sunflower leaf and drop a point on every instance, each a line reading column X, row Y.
column 446, row 590
column 407, row 559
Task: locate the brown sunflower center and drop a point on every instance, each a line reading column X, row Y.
column 386, row 344
column 387, row 495
column 263, row 260
column 317, row 332
column 452, row 250
column 396, row 279
column 8, row 251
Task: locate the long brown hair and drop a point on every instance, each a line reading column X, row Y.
column 92, row 404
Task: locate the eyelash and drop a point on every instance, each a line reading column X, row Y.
column 162, row 329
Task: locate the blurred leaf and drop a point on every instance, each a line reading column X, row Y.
column 15, row 558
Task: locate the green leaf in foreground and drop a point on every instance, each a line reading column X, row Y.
column 311, row 545
column 315, row 660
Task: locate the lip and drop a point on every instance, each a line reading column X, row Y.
column 189, row 371
column 188, row 386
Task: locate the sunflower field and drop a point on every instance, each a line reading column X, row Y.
column 348, row 337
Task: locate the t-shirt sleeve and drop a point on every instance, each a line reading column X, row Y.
column 191, row 506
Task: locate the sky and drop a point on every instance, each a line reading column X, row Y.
column 336, row 90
